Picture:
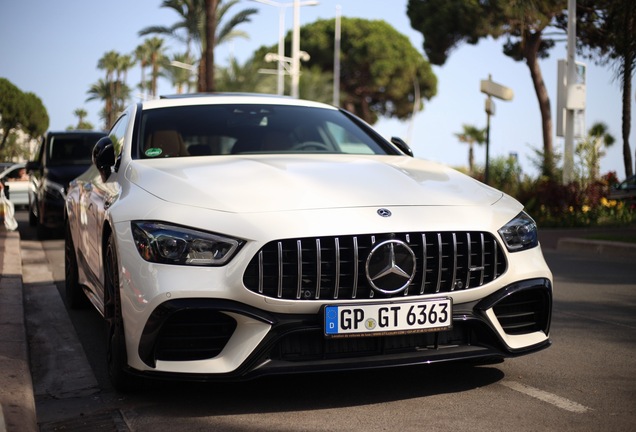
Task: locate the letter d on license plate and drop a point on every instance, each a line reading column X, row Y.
column 407, row 317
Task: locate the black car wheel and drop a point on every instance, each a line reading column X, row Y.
column 116, row 355
column 75, row 297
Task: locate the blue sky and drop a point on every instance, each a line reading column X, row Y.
column 51, row 48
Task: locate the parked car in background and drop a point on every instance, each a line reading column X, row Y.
column 5, row 165
column 61, row 157
column 626, row 190
column 232, row 236
column 16, row 182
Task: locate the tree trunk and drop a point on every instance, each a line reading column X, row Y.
column 210, row 31
column 531, row 48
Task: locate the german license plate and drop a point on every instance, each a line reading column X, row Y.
column 388, row 318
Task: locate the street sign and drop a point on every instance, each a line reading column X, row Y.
column 491, row 88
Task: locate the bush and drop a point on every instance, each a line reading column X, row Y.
column 552, row 204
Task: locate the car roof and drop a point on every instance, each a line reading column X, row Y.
column 229, row 98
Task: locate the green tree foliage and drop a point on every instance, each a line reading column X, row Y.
column 379, row 66
column 590, row 151
column 181, row 77
column 81, row 114
column 606, row 32
column 190, row 29
column 20, row 111
column 112, row 90
column 446, row 24
column 244, row 78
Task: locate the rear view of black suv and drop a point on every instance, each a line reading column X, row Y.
column 61, row 157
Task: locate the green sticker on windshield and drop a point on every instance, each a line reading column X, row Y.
column 153, row 152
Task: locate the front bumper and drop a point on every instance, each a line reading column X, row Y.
column 216, row 339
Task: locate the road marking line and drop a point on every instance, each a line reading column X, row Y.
column 558, row 401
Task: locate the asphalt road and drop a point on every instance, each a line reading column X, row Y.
column 586, row 381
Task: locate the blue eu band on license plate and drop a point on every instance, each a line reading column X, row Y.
column 387, row 318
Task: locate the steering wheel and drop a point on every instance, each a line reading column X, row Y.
column 308, row 145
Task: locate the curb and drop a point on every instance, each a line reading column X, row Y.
column 605, row 248
column 17, row 402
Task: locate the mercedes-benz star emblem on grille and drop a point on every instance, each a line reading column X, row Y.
column 390, row 266
column 384, row 212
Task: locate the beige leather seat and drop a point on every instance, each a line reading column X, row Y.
column 169, row 141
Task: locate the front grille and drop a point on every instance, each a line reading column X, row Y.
column 524, row 312
column 330, row 268
column 194, row 334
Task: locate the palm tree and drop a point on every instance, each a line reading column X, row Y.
column 109, row 62
column 471, row 135
column 101, row 90
column 181, row 77
column 81, row 114
column 142, row 56
column 116, row 67
column 244, row 77
column 122, row 91
column 157, row 59
column 591, row 150
column 190, row 29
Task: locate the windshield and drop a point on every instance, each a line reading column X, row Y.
column 249, row 128
column 71, row 150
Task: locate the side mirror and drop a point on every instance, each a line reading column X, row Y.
column 104, row 157
column 402, row 146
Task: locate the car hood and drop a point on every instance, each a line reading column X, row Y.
column 264, row 183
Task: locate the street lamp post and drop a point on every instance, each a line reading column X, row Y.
column 294, row 61
column 492, row 89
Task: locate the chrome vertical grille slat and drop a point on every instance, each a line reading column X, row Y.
column 356, row 267
column 280, row 269
column 299, row 265
column 440, row 254
column 454, row 258
column 329, row 268
column 424, row 264
column 469, row 261
column 483, row 259
column 318, row 268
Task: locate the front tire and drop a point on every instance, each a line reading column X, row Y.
column 75, row 297
column 116, row 354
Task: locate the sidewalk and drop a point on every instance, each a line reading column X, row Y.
column 17, row 403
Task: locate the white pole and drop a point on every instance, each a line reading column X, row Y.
column 336, row 60
column 281, row 50
column 295, row 72
column 568, row 150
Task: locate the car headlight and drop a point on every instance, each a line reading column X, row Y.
column 172, row 244
column 520, row 233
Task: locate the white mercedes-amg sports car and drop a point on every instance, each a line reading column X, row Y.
column 231, row 236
